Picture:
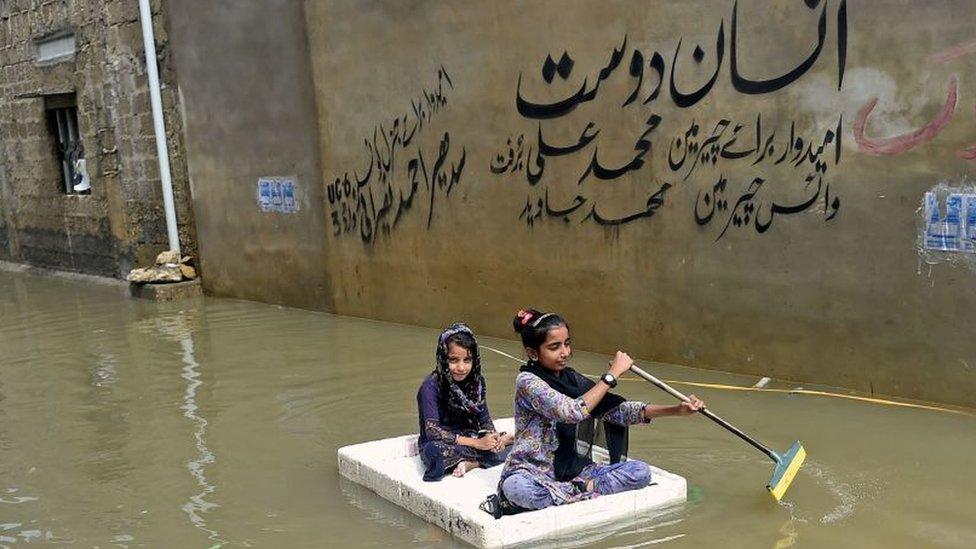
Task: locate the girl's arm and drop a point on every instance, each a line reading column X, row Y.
column 618, row 367
column 681, row 409
column 534, row 394
column 498, row 440
column 484, row 419
column 435, row 431
column 628, row 413
column 537, row 395
column 430, row 416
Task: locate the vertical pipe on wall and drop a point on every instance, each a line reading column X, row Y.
column 162, row 151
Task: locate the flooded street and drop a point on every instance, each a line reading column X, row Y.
column 126, row 423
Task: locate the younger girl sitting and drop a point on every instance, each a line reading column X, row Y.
column 456, row 430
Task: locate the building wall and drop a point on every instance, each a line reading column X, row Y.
column 121, row 223
column 250, row 114
column 762, row 219
column 766, row 219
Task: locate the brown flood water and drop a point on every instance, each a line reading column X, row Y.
column 216, row 422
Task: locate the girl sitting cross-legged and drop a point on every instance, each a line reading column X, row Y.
column 456, row 430
column 543, row 467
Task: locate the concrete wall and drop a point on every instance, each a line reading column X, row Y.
column 120, row 224
column 719, row 253
column 766, row 222
column 250, row 113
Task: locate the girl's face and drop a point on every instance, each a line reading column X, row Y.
column 555, row 351
column 459, row 361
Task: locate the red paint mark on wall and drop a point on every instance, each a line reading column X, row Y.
column 908, row 141
column 968, row 153
column 955, row 52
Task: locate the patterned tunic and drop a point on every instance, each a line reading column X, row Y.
column 538, row 407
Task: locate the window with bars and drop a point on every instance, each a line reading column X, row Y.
column 62, row 117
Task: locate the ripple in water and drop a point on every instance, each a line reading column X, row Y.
column 847, row 494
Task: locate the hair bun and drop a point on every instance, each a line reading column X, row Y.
column 522, row 319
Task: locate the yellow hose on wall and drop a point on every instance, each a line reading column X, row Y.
column 798, row 391
column 872, row 400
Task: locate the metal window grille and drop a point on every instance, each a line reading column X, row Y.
column 62, row 114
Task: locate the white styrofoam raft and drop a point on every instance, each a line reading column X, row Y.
column 387, row 468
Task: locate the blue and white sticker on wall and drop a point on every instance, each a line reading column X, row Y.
column 277, row 195
column 952, row 229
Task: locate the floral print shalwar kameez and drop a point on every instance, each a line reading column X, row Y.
column 528, row 478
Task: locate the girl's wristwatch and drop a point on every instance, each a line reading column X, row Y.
column 609, row 379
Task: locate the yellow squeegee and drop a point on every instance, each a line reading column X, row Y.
column 787, row 463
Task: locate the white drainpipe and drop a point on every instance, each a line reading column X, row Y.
column 162, row 151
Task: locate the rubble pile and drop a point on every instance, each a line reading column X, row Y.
column 169, row 267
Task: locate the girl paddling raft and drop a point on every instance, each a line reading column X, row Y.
column 456, row 430
column 544, row 467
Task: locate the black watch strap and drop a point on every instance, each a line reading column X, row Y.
column 609, row 379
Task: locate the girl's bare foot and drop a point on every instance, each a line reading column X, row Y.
column 464, row 467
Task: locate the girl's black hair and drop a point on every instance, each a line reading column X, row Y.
column 534, row 325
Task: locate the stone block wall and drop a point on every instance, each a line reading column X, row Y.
column 121, row 223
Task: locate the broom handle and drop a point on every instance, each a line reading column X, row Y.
column 708, row 413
